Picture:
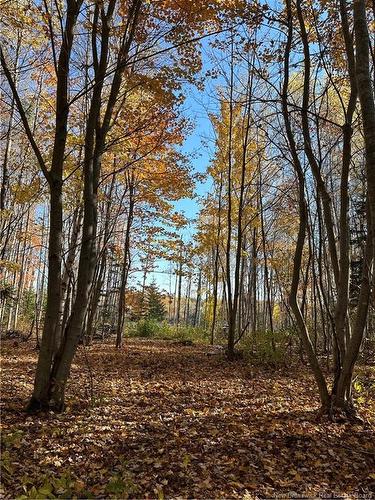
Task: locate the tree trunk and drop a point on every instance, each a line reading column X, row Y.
column 125, row 263
column 303, row 221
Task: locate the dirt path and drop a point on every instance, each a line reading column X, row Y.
column 171, row 421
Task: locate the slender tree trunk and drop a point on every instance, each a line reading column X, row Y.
column 95, row 139
column 198, row 299
column 179, row 288
column 303, row 221
column 216, row 260
column 126, row 263
column 367, row 102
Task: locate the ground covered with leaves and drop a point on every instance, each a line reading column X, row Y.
column 163, row 420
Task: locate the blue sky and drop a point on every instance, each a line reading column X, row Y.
column 197, row 147
column 197, row 150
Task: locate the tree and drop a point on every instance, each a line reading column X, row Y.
column 348, row 337
column 155, row 308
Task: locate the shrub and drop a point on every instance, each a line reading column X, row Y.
column 266, row 347
column 151, row 328
column 194, row 333
column 147, row 328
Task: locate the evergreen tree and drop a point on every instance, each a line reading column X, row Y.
column 155, row 308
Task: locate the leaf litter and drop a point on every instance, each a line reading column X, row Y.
column 160, row 420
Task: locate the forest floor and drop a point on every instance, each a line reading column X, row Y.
column 161, row 420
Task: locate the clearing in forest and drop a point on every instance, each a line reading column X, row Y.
column 163, row 420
